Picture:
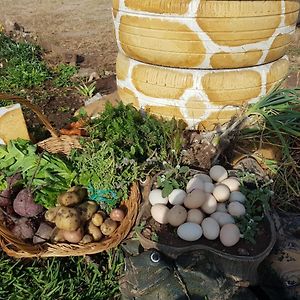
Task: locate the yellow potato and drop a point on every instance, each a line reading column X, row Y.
column 95, row 232
column 67, row 219
column 109, row 226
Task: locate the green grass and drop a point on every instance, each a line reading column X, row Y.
column 280, row 113
column 276, row 121
column 64, row 278
column 24, row 68
column 63, row 75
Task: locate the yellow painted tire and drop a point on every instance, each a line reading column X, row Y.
column 199, row 97
column 206, row 34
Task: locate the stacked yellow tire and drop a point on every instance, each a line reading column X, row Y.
column 201, row 60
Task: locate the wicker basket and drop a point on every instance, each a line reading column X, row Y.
column 64, row 144
column 56, row 143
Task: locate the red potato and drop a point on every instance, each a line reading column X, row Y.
column 24, row 204
column 117, row 214
column 73, row 236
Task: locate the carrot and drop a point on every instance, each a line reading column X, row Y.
column 74, row 131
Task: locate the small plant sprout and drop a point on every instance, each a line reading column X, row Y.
column 173, row 178
column 87, row 90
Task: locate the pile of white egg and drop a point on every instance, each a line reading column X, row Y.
column 207, row 207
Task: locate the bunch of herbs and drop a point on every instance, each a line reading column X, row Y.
column 138, row 136
column 100, row 169
column 280, row 113
column 173, row 178
column 256, row 204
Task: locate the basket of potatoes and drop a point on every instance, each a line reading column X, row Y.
column 75, row 227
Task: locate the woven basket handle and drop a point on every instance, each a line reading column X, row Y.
column 32, row 107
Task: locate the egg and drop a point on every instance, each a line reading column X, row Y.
column 159, row 213
column 176, row 215
column 229, row 235
column 208, row 187
column 236, row 209
column 195, row 216
column 155, row 197
column 221, row 193
column 210, row 228
column 177, row 197
column 204, row 177
column 218, row 173
column 189, row 232
column 232, row 183
column 210, row 205
column 221, row 207
column 195, row 199
column 194, row 183
column 237, row 196
column 222, row 218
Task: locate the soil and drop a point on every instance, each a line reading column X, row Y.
column 65, row 28
column 59, row 105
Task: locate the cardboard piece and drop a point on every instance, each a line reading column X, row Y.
column 98, row 106
column 12, row 124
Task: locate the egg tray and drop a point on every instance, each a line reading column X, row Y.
column 240, row 262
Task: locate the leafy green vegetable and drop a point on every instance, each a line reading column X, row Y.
column 101, row 170
column 137, row 136
column 125, row 145
column 257, row 204
column 173, row 178
column 45, row 174
column 3, row 184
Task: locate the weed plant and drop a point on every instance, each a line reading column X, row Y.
column 23, row 66
column 63, row 74
column 276, row 120
column 86, row 90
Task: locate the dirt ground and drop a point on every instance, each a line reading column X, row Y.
column 65, row 27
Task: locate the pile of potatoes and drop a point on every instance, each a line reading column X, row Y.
column 77, row 220
column 208, row 207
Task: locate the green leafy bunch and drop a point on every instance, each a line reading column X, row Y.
column 135, row 135
column 22, row 65
column 256, row 204
column 45, row 174
column 173, row 178
column 3, row 183
column 99, row 167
